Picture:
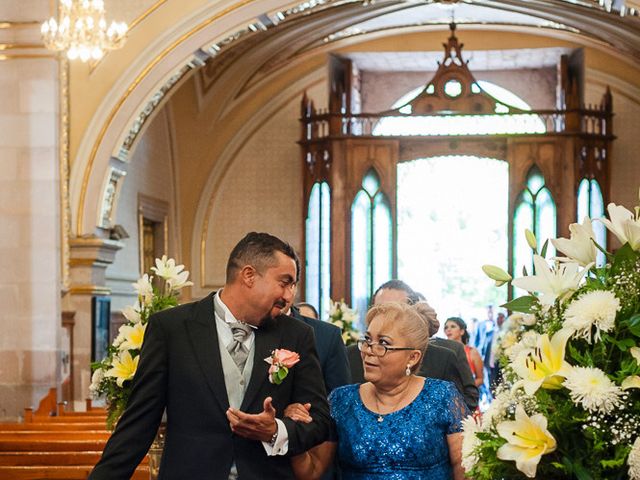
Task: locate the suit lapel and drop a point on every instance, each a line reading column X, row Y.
column 204, row 339
column 267, row 339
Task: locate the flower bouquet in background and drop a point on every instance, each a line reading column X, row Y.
column 569, row 405
column 344, row 318
column 112, row 376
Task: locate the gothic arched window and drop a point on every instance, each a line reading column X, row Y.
column 591, row 204
column 535, row 210
column 318, row 248
column 371, row 242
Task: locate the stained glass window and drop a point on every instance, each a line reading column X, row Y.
column 591, row 204
column 317, row 271
column 371, row 243
column 535, row 210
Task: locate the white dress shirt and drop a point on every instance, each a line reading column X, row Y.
column 281, row 444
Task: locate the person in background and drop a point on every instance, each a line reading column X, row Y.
column 455, row 329
column 438, row 361
column 331, row 350
column 308, row 310
column 397, row 425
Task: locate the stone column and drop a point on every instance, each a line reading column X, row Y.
column 89, row 259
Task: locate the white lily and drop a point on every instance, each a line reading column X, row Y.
column 132, row 313
column 545, row 366
column 559, row 282
column 527, row 440
column 166, row 268
column 179, row 281
column 580, row 247
column 624, row 224
column 144, row 289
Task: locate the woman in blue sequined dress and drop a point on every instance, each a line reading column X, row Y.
column 397, row 426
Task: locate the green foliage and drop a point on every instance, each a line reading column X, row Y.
column 524, row 304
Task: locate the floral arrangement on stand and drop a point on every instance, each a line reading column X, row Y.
column 569, row 404
column 111, row 379
column 344, row 317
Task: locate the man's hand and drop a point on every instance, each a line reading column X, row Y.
column 299, row 412
column 261, row 426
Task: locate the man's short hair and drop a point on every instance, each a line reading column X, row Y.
column 310, row 307
column 258, row 250
column 412, row 296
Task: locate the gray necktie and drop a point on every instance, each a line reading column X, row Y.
column 236, row 348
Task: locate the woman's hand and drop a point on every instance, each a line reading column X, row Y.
column 298, row 412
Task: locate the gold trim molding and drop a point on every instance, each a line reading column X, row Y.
column 65, row 209
column 20, row 46
column 89, row 290
column 130, row 89
column 6, row 24
column 25, row 56
column 146, row 13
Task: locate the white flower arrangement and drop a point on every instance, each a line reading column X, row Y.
column 344, row 317
column 569, row 404
column 112, row 376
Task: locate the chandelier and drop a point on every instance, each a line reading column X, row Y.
column 82, row 31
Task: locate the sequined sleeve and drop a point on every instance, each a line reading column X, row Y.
column 457, row 410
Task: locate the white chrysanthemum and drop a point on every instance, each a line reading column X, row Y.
column 526, row 319
column 96, row 380
column 527, row 344
column 597, row 308
column 591, row 388
column 470, row 443
column 497, row 411
column 634, row 460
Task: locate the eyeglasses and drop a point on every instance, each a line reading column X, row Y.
column 377, row 349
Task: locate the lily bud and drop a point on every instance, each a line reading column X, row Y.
column 496, row 273
column 635, row 353
column 531, row 239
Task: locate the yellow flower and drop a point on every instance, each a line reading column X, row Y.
column 133, row 336
column 527, row 440
column 544, row 367
column 123, row 367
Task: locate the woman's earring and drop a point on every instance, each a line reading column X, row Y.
column 407, row 372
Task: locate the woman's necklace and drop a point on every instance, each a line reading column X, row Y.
column 393, row 409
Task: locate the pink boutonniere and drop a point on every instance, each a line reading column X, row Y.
column 281, row 361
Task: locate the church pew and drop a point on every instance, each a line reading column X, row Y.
column 47, row 435
column 69, row 419
column 36, row 445
column 58, row 473
column 28, row 459
column 9, row 459
column 53, row 426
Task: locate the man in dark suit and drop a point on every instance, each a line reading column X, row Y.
column 331, row 351
column 442, row 359
column 204, row 362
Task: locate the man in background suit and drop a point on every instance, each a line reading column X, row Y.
column 204, row 362
column 442, row 359
column 331, row 351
